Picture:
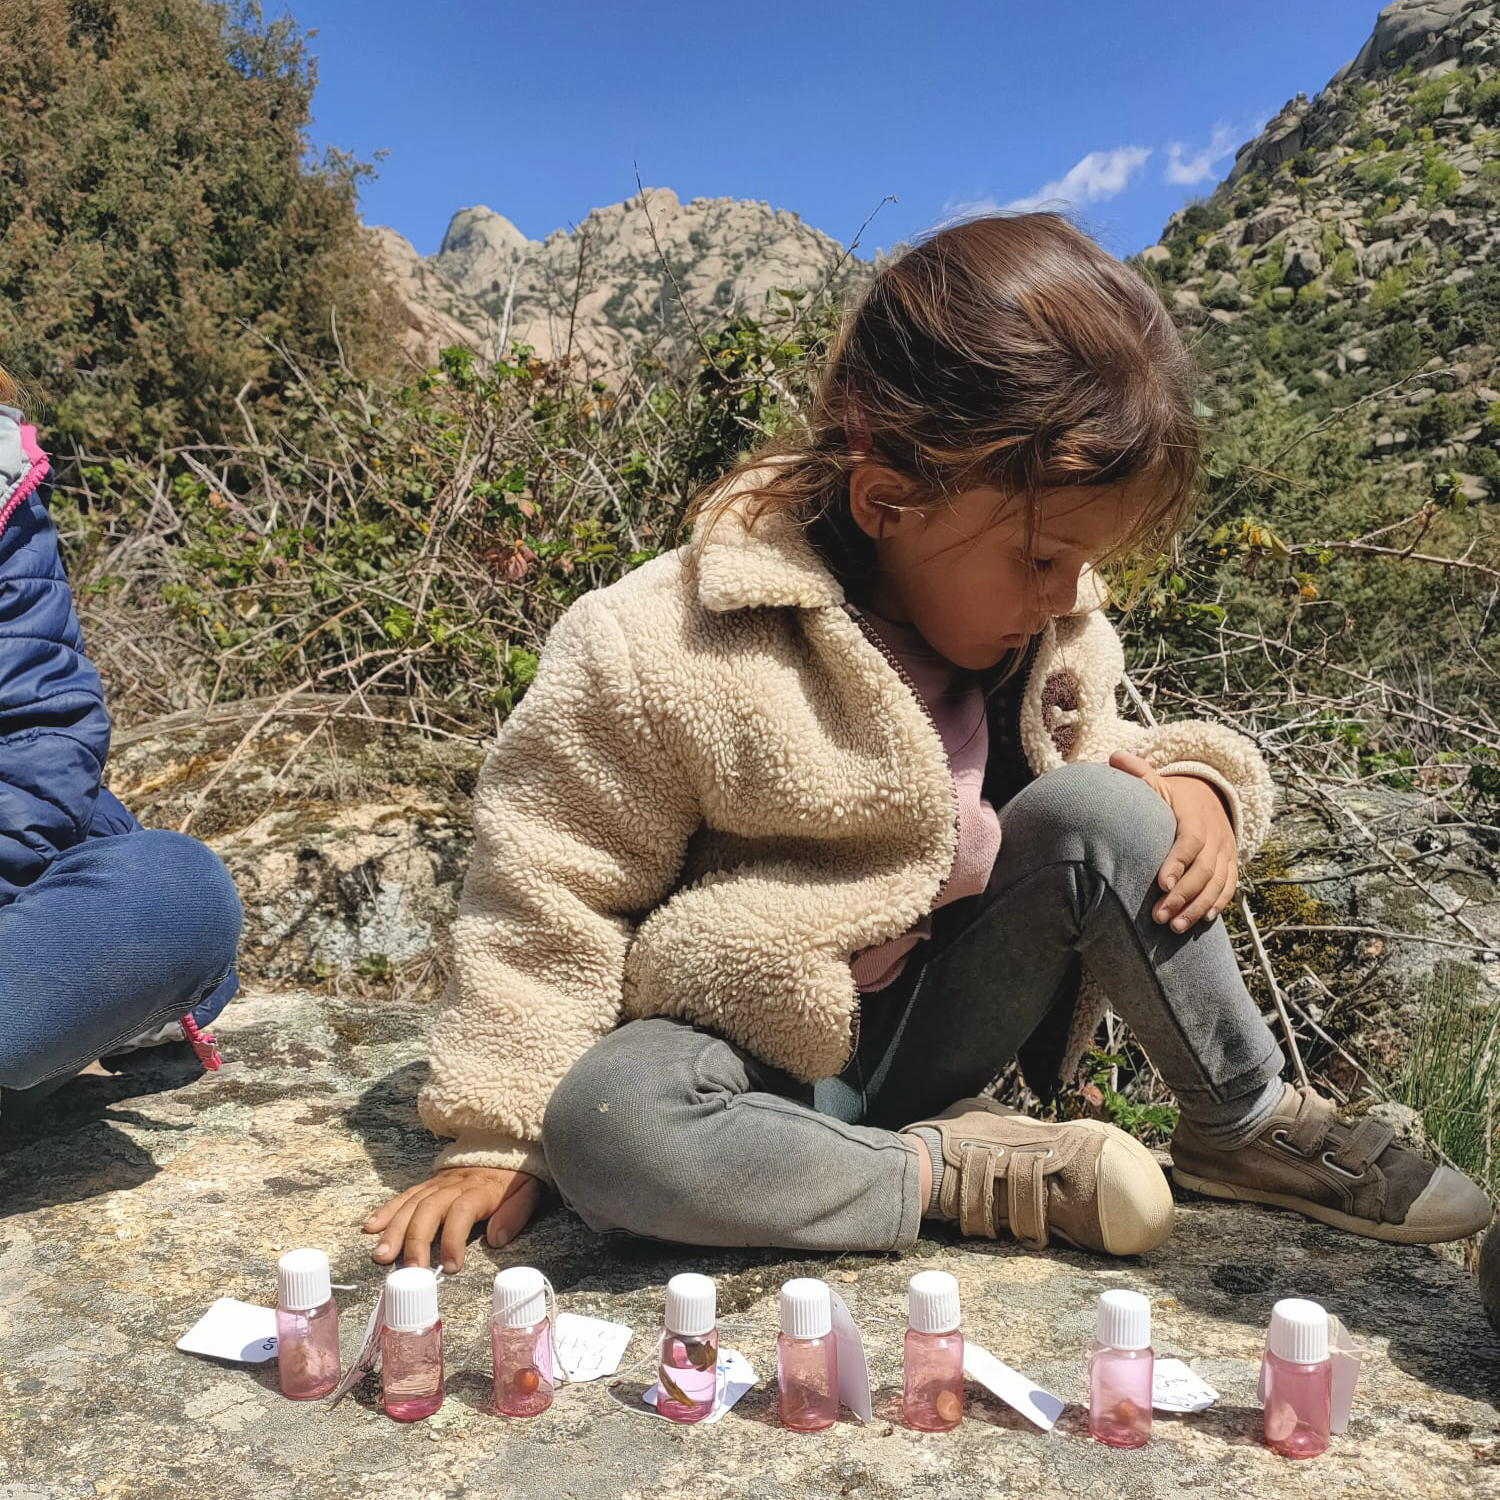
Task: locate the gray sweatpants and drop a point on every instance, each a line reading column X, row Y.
column 666, row 1130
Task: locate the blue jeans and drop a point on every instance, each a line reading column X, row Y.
column 117, row 935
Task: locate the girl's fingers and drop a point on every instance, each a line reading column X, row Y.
column 1187, row 885
column 1206, row 898
column 472, row 1204
column 423, row 1226
column 511, row 1217
column 1231, row 884
column 382, row 1215
column 395, row 1229
column 1180, row 857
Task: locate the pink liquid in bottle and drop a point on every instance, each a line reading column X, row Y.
column 307, row 1326
column 688, row 1375
column 521, row 1342
column 1299, row 1380
column 807, row 1377
column 932, row 1387
column 411, row 1346
column 1121, row 1367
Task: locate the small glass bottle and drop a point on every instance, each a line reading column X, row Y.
column 688, row 1376
column 1121, row 1367
column 521, row 1340
column 1299, row 1380
column 307, row 1326
column 807, row 1357
column 932, row 1388
column 411, row 1345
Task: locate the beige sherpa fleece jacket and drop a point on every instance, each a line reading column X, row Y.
column 715, row 791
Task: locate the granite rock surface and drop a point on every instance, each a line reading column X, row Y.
column 135, row 1200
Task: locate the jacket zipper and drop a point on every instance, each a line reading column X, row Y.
column 875, row 640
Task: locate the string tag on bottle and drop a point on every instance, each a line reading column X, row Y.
column 368, row 1358
column 1017, row 1391
column 854, row 1369
column 584, row 1348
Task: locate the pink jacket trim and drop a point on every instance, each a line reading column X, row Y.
column 40, row 467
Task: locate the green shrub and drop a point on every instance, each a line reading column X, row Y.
column 1342, row 271
column 1441, row 179
column 1427, row 99
column 1386, row 294
column 170, row 225
column 1486, row 101
column 1376, row 176
column 1218, row 257
column 1399, row 349
column 1451, row 1073
column 1439, row 420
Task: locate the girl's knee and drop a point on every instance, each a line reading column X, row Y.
column 1095, row 805
column 608, row 1128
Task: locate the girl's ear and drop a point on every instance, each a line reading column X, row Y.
column 880, row 500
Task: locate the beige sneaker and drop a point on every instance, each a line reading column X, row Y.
column 1350, row 1175
column 1081, row 1181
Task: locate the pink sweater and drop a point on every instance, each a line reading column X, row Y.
column 956, row 703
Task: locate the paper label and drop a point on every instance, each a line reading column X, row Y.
column 369, row 1352
column 1345, row 1373
column 588, row 1348
column 1174, row 1387
column 854, row 1369
column 233, row 1330
column 1016, row 1390
column 735, row 1377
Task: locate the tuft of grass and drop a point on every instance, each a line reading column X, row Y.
column 1451, row 1077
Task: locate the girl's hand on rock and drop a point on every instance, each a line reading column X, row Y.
column 1201, row 870
column 454, row 1200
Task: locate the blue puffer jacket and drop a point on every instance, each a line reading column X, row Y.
column 54, row 727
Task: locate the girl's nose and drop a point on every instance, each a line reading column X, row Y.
column 1062, row 594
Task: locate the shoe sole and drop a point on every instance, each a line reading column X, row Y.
column 1395, row 1234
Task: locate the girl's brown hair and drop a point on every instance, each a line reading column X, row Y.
column 10, row 392
column 1008, row 351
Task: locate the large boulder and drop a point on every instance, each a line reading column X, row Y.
column 140, row 1199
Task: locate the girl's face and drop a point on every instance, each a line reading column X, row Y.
column 959, row 572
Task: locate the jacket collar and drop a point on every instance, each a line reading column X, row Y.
column 774, row 564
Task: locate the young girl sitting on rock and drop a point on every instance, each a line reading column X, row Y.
column 805, row 830
column 112, row 938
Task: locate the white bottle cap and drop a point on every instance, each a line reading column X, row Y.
column 302, row 1280
column 1299, row 1331
column 806, row 1309
column 1123, row 1320
column 520, row 1297
column 932, row 1302
column 411, row 1304
column 691, row 1305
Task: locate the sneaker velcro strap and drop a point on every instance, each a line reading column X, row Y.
column 1311, row 1127
column 1027, row 1186
column 1366, row 1141
column 976, row 1190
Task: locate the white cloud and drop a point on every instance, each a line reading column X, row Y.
column 1189, row 170
column 1187, row 167
column 1100, row 175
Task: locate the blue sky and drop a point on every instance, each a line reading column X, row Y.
column 1125, row 110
